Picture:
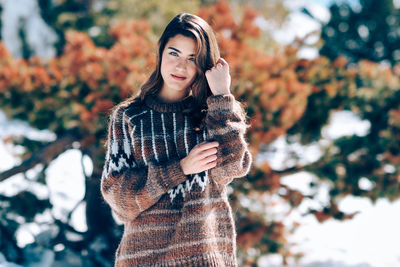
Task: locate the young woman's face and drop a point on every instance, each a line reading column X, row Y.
column 178, row 66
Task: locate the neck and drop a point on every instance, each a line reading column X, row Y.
column 157, row 104
column 170, row 96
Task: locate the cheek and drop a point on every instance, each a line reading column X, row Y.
column 192, row 70
column 165, row 63
column 165, row 67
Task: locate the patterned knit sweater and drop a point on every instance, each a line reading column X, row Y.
column 173, row 219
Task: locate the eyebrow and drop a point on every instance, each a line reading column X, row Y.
column 177, row 50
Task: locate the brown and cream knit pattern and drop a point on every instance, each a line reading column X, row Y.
column 173, row 219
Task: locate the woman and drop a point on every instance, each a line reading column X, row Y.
column 172, row 151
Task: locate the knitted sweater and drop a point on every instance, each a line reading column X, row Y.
column 173, row 219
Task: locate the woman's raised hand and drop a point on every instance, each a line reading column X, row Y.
column 202, row 157
column 218, row 78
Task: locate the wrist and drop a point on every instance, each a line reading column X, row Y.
column 181, row 163
column 221, row 92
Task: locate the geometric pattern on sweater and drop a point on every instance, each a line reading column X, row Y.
column 173, row 219
column 119, row 158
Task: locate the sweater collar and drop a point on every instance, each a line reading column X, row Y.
column 154, row 103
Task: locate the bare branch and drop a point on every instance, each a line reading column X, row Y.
column 296, row 169
column 291, row 170
column 44, row 155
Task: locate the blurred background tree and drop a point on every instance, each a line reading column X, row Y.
column 95, row 17
column 369, row 30
column 72, row 94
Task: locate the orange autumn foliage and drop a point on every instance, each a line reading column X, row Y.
column 101, row 77
column 79, row 88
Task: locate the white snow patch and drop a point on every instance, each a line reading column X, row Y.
column 64, row 177
column 26, row 14
column 345, row 123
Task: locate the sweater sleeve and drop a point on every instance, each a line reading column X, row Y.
column 226, row 124
column 127, row 188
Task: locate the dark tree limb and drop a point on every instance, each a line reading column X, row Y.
column 295, row 169
column 290, row 170
column 44, row 155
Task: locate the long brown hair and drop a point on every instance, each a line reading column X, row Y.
column 207, row 54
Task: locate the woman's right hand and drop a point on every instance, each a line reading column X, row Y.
column 202, row 157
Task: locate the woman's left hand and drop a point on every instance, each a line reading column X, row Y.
column 218, row 78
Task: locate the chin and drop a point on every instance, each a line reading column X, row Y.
column 178, row 88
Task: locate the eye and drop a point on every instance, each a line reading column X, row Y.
column 192, row 59
column 173, row 54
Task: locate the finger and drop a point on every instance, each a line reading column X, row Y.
column 209, row 159
column 219, row 61
column 206, row 153
column 200, row 144
column 210, row 143
column 207, row 145
column 210, row 165
column 223, row 61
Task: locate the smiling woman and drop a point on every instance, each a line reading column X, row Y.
column 178, row 67
column 171, row 152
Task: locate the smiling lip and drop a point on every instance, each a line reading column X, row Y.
column 180, row 78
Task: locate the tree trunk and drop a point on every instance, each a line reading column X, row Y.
column 98, row 214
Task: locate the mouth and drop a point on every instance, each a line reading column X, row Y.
column 177, row 77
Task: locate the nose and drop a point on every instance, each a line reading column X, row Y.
column 181, row 64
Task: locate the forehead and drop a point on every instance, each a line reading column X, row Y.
column 185, row 45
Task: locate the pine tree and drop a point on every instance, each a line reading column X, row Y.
column 369, row 31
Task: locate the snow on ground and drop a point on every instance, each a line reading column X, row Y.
column 370, row 239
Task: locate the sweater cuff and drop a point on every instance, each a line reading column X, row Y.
column 171, row 174
column 220, row 102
